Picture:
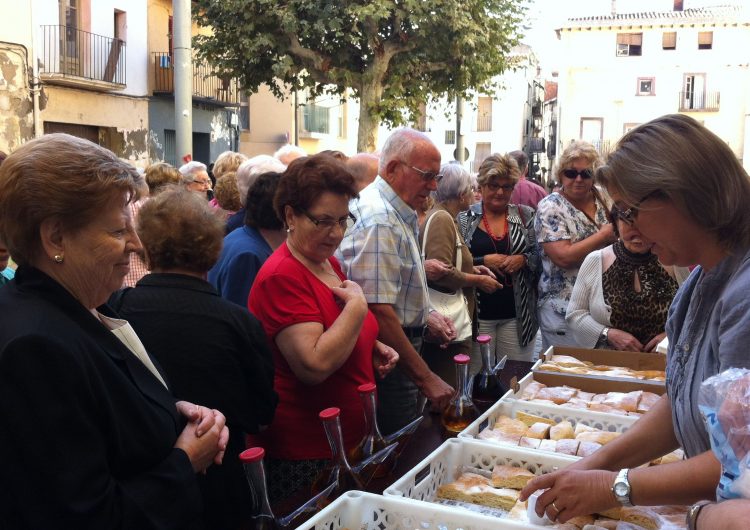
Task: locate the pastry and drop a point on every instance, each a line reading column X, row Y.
column 531, row 443
column 577, row 403
column 601, row 407
column 581, row 520
column 476, row 489
column 558, row 394
column 606, row 524
column 567, row 447
column 585, row 396
column 619, row 400
column 518, row 512
column 602, row 437
column 538, row 430
column 654, row 375
column 510, row 426
column 582, row 427
column 612, row 513
column 510, row 477
column 547, row 445
column 568, row 361
column 531, row 390
column 531, row 419
column 642, row 516
column 586, row 448
column 562, row 430
column 648, row 400
column 498, row 437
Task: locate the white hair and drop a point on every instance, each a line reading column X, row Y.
column 190, row 170
column 400, row 145
column 251, row 168
column 286, row 153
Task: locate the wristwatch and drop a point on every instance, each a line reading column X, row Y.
column 621, row 488
column 693, row 512
column 605, row 335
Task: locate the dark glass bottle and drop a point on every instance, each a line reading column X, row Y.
column 373, row 441
column 487, row 387
column 339, row 470
column 252, row 461
column 461, row 411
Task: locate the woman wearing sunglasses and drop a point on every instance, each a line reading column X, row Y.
column 322, row 334
column 501, row 237
column 683, row 188
column 622, row 293
column 569, row 224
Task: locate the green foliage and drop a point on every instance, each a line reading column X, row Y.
column 394, row 55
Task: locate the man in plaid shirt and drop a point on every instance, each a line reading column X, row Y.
column 381, row 253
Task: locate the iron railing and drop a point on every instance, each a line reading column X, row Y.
column 699, row 101
column 207, row 86
column 316, row 119
column 73, row 52
column 484, row 123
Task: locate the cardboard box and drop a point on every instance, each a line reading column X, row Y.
column 601, row 383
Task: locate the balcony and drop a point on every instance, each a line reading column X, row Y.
column 693, row 101
column 484, row 123
column 315, row 120
column 77, row 58
column 207, row 86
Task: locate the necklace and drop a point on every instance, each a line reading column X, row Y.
column 313, row 267
column 487, row 229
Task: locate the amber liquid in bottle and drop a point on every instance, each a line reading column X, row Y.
column 252, row 461
column 339, row 470
column 460, row 412
column 373, row 441
column 487, row 388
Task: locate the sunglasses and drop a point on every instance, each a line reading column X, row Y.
column 573, row 173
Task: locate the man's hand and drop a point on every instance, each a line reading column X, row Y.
column 484, row 271
column 436, row 390
column 384, row 359
column 435, row 269
column 440, row 329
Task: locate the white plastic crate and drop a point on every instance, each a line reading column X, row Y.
column 509, row 407
column 447, row 462
column 357, row 510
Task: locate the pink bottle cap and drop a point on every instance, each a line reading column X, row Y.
column 329, row 413
column 484, row 339
column 252, row 455
column 462, row 358
column 366, row 388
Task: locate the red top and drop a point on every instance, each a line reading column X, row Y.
column 284, row 293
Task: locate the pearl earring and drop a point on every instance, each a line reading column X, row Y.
column 58, row 258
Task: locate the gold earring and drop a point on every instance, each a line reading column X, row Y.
column 58, row 258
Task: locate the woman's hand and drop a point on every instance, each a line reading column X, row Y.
column 488, row 284
column 384, row 359
column 653, row 343
column 623, row 341
column 495, row 263
column 435, row 269
column 204, row 439
column 350, row 293
column 484, row 271
column 573, row 492
column 440, row 329
column 514, row 263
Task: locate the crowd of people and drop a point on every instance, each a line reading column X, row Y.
column 159, row 322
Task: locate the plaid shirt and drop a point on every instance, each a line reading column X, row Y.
column 380, row 253
column 137, row 267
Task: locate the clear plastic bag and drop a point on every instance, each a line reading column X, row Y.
column 724, row 401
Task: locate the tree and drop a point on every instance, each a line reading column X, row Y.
column 393, row 54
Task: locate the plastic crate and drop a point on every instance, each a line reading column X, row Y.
column 509, row 407
column 446, row 462
column 357, row 510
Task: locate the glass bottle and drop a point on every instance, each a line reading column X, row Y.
column 487, row 387
column 460, row 412
column 373, row 441
column 339, row 470
column 252, row 461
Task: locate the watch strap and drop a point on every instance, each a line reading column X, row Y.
column 622, row 479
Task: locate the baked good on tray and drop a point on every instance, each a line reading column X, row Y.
column 510, row 477
column 476, row 489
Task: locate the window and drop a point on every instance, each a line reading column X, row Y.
column 629, row 44
column 245, row 116
column 646, row 86
column 669, row 40
column 450, row 137
column 705, row 40
column 484, row 114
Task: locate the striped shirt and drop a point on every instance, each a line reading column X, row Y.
column 381, row 254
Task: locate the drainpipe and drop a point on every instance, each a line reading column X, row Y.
column 183, row 82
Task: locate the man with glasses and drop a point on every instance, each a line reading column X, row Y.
column 195, row 177
column 381, row 254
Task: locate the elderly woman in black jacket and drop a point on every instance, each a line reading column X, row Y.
column 212, row 350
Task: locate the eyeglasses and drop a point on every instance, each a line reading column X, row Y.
column 573, row 173
column 427, row 176
column 206, row 182
column 328, row 223
column 494, row 186
column 631, row 214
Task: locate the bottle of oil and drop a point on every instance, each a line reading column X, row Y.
column 487, row 387
column 373, row 441
column 252, row 461
column 460, row 412
column 339, row 470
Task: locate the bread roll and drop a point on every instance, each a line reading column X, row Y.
column 602, row 437
column 567, row 447
column 538, row 430
column 531, row 419
column 562, row 430
column 510, row 426
column 529, row 443
column 642, row 516
column 476, row 489
column 510, row 477
column 586, row 448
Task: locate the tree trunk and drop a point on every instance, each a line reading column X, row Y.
column 367, row 134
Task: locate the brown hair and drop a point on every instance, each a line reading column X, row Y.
column 161, row 174
column 498, row 166
column 226, row 192
column 307, row 178
column 226, row 162
column 180, row 230
column 62, row 177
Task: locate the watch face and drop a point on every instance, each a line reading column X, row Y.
column 621, row 489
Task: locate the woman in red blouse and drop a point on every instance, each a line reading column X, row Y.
column 323, row 336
